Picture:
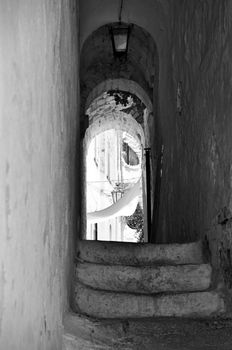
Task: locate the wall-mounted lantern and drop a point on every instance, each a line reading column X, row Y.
column 117, row 193
column 120, row 38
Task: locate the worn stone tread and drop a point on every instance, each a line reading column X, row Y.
column 146, row 279
column 137, row 254
column 102, row 304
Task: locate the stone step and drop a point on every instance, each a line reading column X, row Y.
column 146, row 279
column 102, row 304
column 85, row 333
column 137, row 254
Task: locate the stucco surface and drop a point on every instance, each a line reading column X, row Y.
column 150, row 15
column 198, row 146
column 38, row 126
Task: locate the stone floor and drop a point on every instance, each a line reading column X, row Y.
column 82, row 333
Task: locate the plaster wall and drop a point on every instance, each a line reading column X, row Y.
column 38, row 128
column 198, row 147
column 149, row 14
column 154, row 17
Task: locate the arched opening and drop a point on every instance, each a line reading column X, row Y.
column 114, row 187
column 115, row 179
column 118, row 104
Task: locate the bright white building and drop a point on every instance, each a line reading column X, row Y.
column 113, row 168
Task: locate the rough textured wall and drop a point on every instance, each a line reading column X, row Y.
column 38, row 126
column 197, row 181
column 98, row 63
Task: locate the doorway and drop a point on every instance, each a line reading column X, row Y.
column 114, row 199
column 114, row 163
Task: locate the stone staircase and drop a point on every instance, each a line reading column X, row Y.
column 127, row 280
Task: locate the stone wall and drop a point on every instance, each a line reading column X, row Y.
column 140, row 69
column 197, row 176
column 98, row 63
column 38, row 128
column 218, row 248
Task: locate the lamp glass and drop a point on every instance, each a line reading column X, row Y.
column 120, row 42
column 120, row 37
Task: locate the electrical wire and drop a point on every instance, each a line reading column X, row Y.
column 120, row 12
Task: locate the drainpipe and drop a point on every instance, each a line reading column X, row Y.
column 95, row 232
column 157, row 194
column 148, row 184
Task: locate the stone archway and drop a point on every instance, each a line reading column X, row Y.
column 117, row 121
column 120, row 84
column 138, row 75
